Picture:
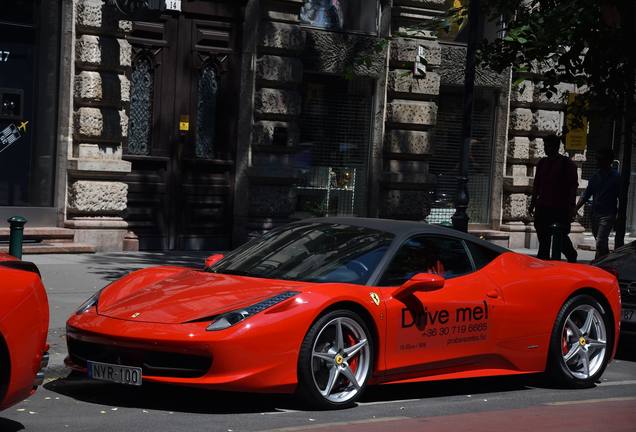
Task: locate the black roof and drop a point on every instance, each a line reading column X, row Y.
column 404, row 228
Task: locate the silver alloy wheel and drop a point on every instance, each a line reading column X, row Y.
column 340, row 359
column 584, row 341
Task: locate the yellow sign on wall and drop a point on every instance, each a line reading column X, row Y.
column 576, row 138
column 184, row 123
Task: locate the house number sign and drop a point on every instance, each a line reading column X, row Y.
column 174, row 5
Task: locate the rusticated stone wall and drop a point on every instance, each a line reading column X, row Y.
column 96, row 194
column 411, row 110
column 273, row 138
column 532, row 117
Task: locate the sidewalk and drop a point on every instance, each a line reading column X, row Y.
column 71, row 279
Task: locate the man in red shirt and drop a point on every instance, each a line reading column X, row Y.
column 554, row 197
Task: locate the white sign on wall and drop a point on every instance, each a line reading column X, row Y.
column 174, row 5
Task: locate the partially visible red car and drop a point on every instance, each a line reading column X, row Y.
column 24, row 323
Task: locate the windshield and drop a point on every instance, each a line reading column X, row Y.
column 311, row 252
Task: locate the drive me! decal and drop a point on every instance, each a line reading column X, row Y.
column 445, row 326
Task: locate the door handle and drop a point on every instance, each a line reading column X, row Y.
column 492, row 294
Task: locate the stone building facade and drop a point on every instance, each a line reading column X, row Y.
column 96, row 194
column 203, row 127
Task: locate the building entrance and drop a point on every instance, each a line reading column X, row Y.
column 184, row 86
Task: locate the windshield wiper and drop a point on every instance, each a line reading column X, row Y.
column 234, row 272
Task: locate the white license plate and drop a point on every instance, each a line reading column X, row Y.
column 628, row 315
column 114, row 373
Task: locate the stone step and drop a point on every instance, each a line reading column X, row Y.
column 52, row 248
column 500, row 238
column 55, row 234
column 589, row 243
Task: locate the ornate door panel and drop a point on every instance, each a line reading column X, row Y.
column 182, row 126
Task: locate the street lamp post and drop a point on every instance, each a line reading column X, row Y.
column 460, row 218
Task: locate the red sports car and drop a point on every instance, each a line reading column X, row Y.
column 327, row 306
column 24, row 323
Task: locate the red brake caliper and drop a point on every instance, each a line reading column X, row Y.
column 353, row 364
column 564, row 342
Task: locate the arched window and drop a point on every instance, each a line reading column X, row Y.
column 206, row 111
column 140, row 119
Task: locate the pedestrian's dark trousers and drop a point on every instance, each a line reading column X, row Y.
column 543, row 218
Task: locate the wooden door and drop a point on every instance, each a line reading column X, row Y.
column 182, row 126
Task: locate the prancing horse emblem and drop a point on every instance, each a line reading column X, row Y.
column 135, row 315
column 375, row 298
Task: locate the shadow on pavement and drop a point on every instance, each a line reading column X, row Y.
column 436, row 389
column 116, row 265
column 163, row 397
column 7, row 425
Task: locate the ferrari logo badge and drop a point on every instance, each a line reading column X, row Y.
column 339, row 359
column 135, row 315
column 582, row 341
column 375, row 298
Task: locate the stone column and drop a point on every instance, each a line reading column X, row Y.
column 274, row 138
column 532, row 117
column 411, row 112
column 96, row 194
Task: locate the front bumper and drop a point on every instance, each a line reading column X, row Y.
column 240, row 358
column 628, row 327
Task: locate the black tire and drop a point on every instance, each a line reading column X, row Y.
column 571, row 374
column 308, row 387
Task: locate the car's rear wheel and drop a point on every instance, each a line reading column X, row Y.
column 336, row 360
column 580, row 346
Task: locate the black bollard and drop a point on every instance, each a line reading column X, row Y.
column 16, row 235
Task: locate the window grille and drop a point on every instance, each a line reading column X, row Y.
column 142, row 85
column 447, row 151
column 206, row 112
column 335, row 131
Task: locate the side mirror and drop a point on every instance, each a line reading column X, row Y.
column 420, row 282
column 213, row 259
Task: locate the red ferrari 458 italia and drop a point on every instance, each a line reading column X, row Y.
column 325, row 307
column 24, row 323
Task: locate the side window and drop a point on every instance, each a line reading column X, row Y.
column 440, row 255
column 481, row 255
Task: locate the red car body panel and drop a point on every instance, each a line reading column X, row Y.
column 495, row 321
column 24, row 320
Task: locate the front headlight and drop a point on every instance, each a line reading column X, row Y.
column 92, row 301
column 228, row 319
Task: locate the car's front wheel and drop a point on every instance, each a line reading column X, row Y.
column 336, row 360
column 580, row 346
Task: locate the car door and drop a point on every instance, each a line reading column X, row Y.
column 452, row 327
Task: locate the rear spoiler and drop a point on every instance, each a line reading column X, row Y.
column 22, row 265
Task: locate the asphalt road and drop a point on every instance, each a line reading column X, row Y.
column 72, row 403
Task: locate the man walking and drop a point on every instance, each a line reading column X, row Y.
column 603, row 188
column 554, row 197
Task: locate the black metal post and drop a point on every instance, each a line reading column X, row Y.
column 460, row 218
column 628, row 130
column 16, row 234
